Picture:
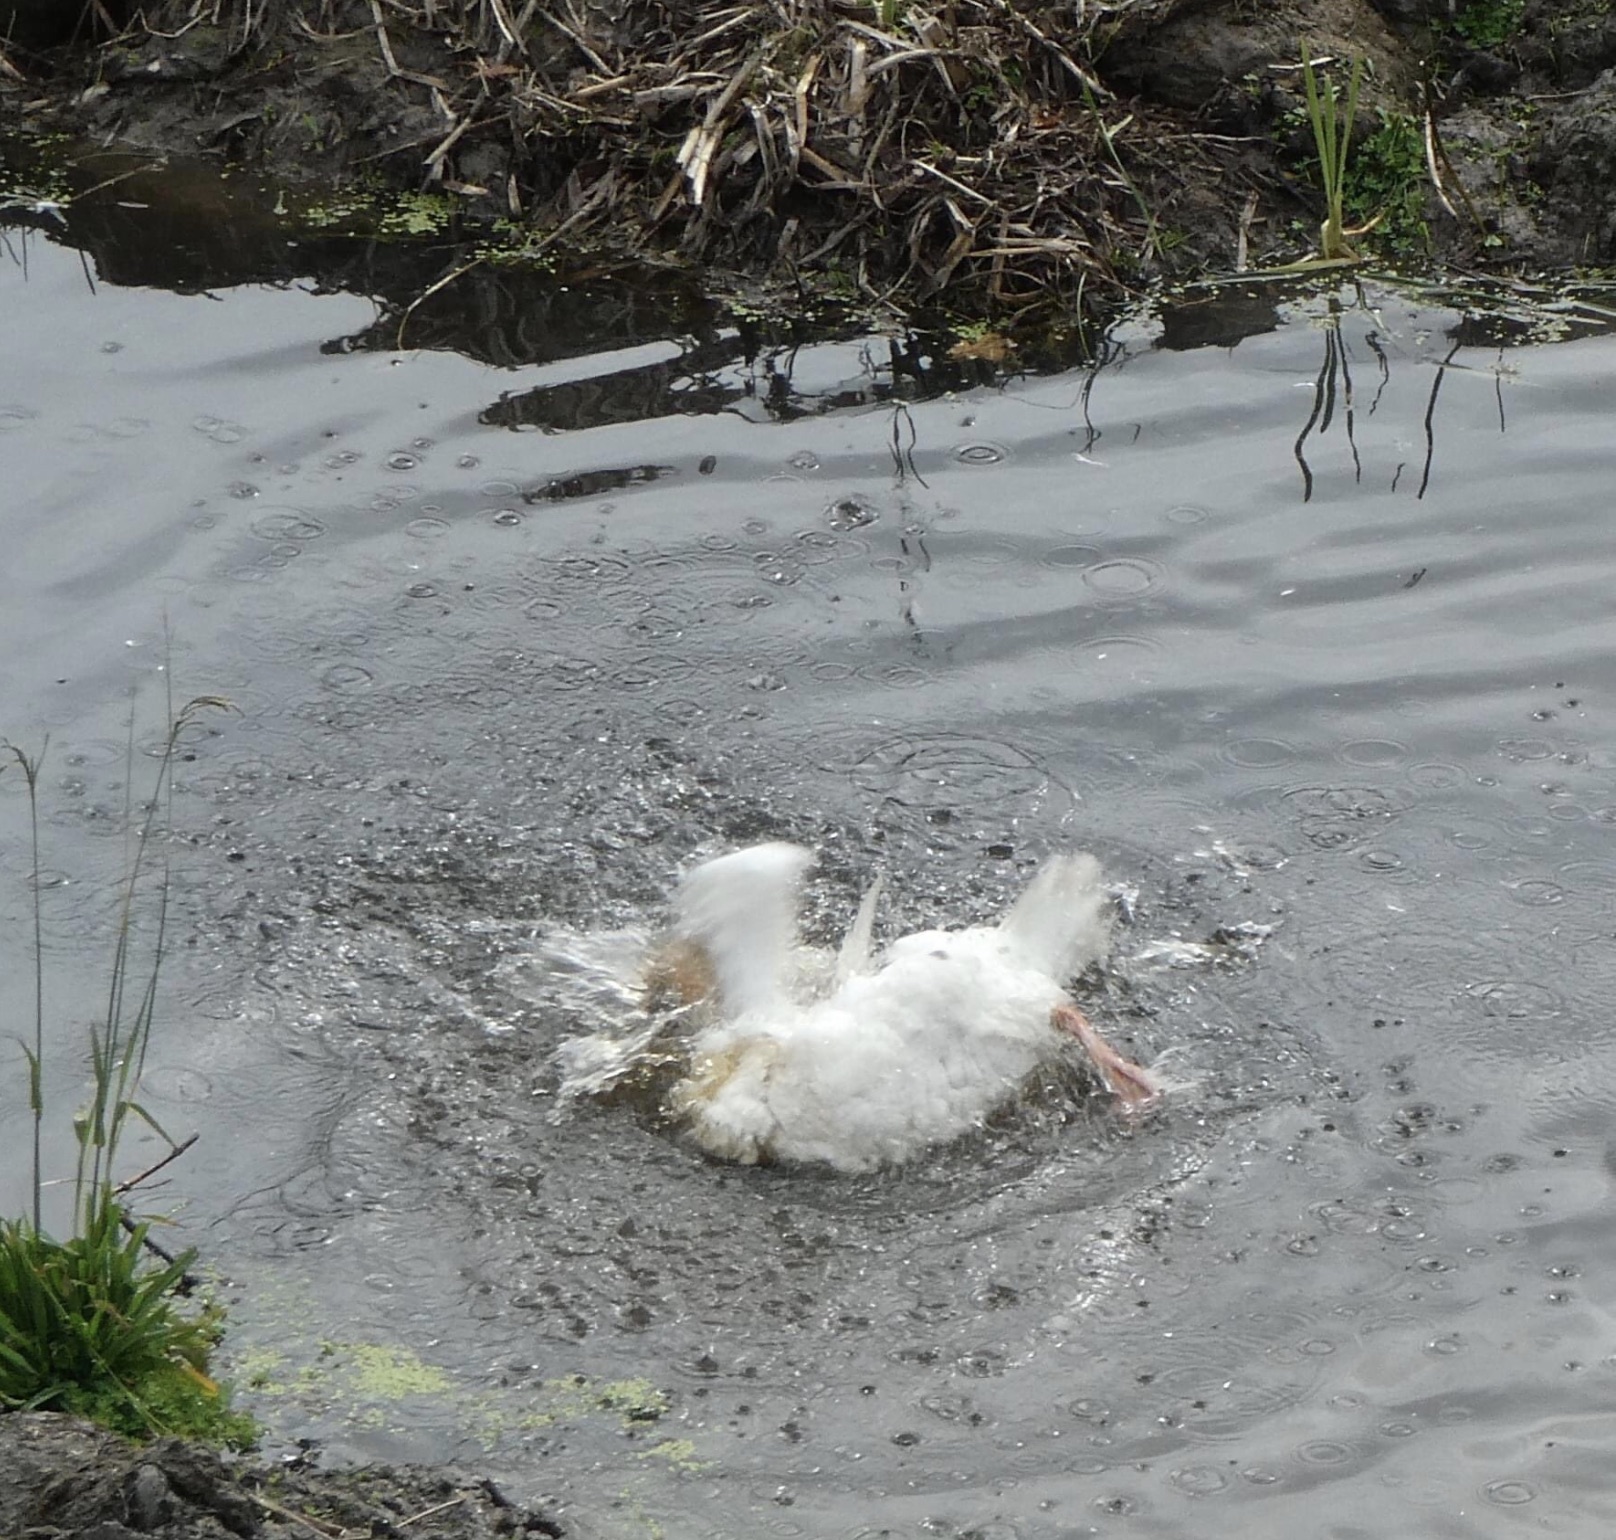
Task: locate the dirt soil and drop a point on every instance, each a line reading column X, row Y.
column 61, row 1478
column 987, row 153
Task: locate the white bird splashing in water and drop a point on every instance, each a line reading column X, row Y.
column 854, row 1059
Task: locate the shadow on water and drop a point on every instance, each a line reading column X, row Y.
column 191, row 229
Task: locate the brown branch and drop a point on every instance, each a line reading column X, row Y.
column 426, row 1513
column 151, row 1171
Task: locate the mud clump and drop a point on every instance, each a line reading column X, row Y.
column 62, row 1479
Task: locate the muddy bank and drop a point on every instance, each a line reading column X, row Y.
column 60, row 1477
column 990, row 153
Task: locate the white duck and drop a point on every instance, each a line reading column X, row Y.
column 881, row 1059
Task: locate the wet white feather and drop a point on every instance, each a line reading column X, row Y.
column 742, row 909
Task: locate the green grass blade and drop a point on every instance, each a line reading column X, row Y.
column 1353, row 82
column 152, row 1123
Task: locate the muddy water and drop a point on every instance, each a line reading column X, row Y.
column 1305, row 630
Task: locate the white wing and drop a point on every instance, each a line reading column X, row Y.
column 1060, row 924
column 742, row 908
column 854, row 957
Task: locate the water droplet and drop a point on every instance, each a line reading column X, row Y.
column 1070, row 556
column 1257, row 753
column 1341, row 817
column 1199, row 1480
column 346, row 676
column 292, row 524
column 1515, row 1000
column 1325, row 1451
column 401, row 460
column 1380, row 861
column 1373, row 752
column 982, row 453
column 850, row 513
column 1125, row 578
column 1537, row 893
column 1509, row 1493
column 426, row 529
column 981, row 1364
column 1436, row 777
column 1522, row 750
column 771, row 565
column 590, row 571
column 899, row 676
column 943, row 770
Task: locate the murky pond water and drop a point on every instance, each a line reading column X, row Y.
column 1308, row 628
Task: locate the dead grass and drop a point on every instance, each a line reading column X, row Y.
column 972, row 146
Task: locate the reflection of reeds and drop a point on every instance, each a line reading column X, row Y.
column 1333, row 389
column 85, row 1325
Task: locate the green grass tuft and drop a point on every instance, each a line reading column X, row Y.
column 88, row 1327
column 1487, row 23
column 1385, row 184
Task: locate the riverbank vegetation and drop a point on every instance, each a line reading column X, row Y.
column 99, row 1323
column 1001, row 153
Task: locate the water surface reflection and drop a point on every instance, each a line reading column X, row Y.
column 1360, row 1257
